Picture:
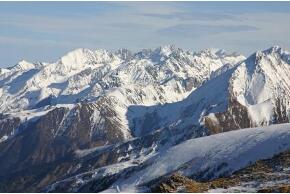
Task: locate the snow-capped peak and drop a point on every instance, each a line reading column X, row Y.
column 272, row 53
column 278, row 50
column 78, row 56
column 124, row 54
column 275, row 48
column 254, row 89
column 83, row 56
column 166, row 50
column 85, row 73
column 261, row 81
column 216, row 53
column 3, row 70
column 23, row 65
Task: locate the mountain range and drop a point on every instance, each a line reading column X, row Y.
column 97, row 120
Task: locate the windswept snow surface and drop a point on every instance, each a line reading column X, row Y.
column 213, row 155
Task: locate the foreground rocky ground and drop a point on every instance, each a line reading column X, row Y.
column 264, row 176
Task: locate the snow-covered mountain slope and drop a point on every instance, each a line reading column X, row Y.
column 80, row 101
column 117, row 111
column 252, row 93
column 262, row 80
column 259, row 91
column 118, row 80
column 202, row 158
column 84, row 75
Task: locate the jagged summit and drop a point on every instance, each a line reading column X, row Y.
column 215, row 52
column 4, row 70
column 253, row 92
column 85, row 74
column 124, row 54
column 77, row 56
column 83, row 56
column 166, row 50
column 22, row 65
column 151, row 77
column 273, row 49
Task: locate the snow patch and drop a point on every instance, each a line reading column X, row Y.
column 85, row 152
column 261, row 113
column 3, row 138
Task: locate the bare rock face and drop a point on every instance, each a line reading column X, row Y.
column 281, row 113
column 8, row 126
column 178, row 183
column 236, row 117
column 33, row 145
column 44, row 149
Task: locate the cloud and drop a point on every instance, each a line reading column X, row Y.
column 30, row 42
column 197, row 30
column 45, row 23
column 129, row 25
column 60, row 27
column 196, row 16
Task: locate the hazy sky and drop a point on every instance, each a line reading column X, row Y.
column 44, row 31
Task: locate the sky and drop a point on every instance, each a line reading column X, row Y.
column 45, row 31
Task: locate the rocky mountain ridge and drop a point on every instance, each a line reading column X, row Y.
column 114, row 110
column 113, row 80
column 254, row 92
